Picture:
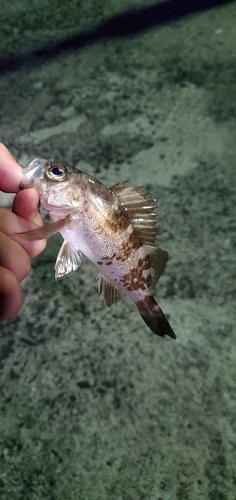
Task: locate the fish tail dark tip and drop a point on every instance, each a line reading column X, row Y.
column 159, row 325
column 155, row 319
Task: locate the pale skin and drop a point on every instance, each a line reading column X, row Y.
column 16, row 253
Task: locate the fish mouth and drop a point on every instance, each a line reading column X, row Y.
column 33, row 171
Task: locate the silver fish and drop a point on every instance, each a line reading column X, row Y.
column 113, row 227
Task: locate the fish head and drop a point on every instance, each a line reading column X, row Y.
column 59, row 187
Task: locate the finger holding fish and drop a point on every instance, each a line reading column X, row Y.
column 11, row 296
column 14, row 258
column 11, row 173
column 15, row 265
column 15, row 254
column 17, row 225
column 25, row 204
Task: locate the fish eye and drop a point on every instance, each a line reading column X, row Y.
column 56, row 172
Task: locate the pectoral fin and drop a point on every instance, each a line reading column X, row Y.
column 44, row 232
column 69, row 259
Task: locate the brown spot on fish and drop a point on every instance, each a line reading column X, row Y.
column 109, row 257
column 132, row 243
column 135, row 279
column 120, row 220
column 144, row 262
column 149, row 280
column 146, row 305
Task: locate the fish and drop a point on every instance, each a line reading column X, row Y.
column 115, row 228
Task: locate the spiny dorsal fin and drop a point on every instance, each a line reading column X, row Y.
column 140, row 210
column 117, row 188
column 110, row 292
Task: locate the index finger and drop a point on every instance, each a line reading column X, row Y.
column 11, row 173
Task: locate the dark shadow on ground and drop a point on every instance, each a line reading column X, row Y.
column 126, row 24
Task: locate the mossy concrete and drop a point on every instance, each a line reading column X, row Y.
column 93, row 406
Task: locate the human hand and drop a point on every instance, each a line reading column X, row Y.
column 16, row 253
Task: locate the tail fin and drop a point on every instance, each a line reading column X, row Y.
column 154, row 317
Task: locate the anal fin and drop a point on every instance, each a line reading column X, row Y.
column 111, row 293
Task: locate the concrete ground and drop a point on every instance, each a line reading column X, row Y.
column 93, row 405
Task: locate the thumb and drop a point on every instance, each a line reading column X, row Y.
column 26, row 205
